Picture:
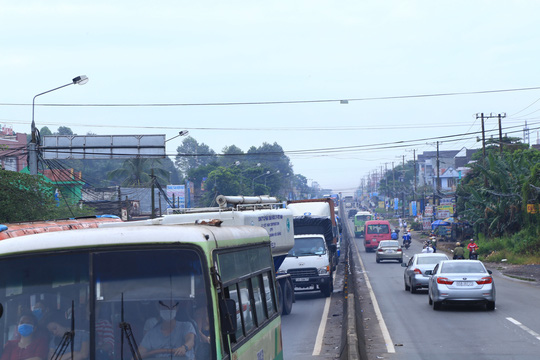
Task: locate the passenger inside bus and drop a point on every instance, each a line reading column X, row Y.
column 58, row 325
column 31, row 344
column 170, row 337
column 203, row 331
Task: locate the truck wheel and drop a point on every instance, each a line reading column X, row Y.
column 287, row 298
column 279, row 297
column 328, row 289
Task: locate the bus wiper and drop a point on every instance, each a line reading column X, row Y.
column 126, row 331
column 67, row 338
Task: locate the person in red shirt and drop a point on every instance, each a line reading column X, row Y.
column 473, row 249
column 30, row 345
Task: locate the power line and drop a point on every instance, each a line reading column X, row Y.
column 283, row 102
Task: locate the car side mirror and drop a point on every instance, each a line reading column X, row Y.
column 490, row 272
column 403, row 264
column 428, row 272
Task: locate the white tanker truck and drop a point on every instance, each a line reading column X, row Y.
column 261, row 211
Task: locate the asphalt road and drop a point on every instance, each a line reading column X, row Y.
column 416, row 331
column 310, row 332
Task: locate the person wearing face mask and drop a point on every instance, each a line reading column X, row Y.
column 30, row 345
column 170, row 338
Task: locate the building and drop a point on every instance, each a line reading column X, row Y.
column 452, row 167
column 12, row 149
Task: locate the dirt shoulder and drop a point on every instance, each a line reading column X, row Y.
column 529, row 273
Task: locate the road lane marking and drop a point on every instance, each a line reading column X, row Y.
column 322, row 326
column 523, row 327
column 386, row 334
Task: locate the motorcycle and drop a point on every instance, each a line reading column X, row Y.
column 406, row 242
column 473, row 255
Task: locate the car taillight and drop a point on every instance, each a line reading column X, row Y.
column 417, row 271
column 444, row 281
column 399, row 250
column 485, row 280
column 380, row 250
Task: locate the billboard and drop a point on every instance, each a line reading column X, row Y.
column 178, row 192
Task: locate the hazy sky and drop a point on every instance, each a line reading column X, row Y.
column 190, row 54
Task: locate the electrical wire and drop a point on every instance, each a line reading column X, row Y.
column 341, row 101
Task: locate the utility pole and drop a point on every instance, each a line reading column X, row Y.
column 386, row 179
column 414, row 162
column 438, row 187
column 490, row 116
column 153, row 197
column 393, row 181
column 503, row 115
column 403, row 189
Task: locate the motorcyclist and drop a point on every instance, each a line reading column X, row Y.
column 427, row 249
column 433, row 240
column 473, row 249
column 459, row 252
column 407, row 238
column 394, row 235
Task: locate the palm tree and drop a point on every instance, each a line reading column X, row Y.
column 138, row 171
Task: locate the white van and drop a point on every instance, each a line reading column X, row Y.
column 308, row 263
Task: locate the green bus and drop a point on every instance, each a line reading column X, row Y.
column 360, row 219
column 115, row 293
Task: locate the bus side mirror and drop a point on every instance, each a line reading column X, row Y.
column 228, row 316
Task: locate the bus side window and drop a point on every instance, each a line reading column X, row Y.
column 233, row 294
column 247, row 309
column 258, row 294
column 270, row 303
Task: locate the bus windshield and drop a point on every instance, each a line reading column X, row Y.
column 363, row 217
column 117, row 303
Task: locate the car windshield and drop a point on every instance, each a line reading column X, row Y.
column 426, row 260
column 462, row 267
column 308, row 246
column 389, row 244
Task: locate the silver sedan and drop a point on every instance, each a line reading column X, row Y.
column 389, row 250
column 414, row 275
column 461, row 281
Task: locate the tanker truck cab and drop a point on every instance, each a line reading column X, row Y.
column 308, row 263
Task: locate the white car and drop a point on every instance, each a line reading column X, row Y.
column 414, row 275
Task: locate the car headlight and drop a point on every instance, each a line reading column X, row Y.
column 324, row 270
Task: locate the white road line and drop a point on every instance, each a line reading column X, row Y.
column 386, row 335
column 523, row 327
column 322, row 326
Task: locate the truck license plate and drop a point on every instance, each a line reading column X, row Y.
column 302, row 279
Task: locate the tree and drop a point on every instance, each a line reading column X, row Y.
column 45, row 131
column 24, row 197
column 492, row 196
column 191, row 155
column 232, row 155
column 64, row 130
column 138, row 171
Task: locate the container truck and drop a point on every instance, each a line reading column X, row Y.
column 317, row 216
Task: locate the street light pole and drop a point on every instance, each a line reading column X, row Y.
column 32, row 146
column 256, row 177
